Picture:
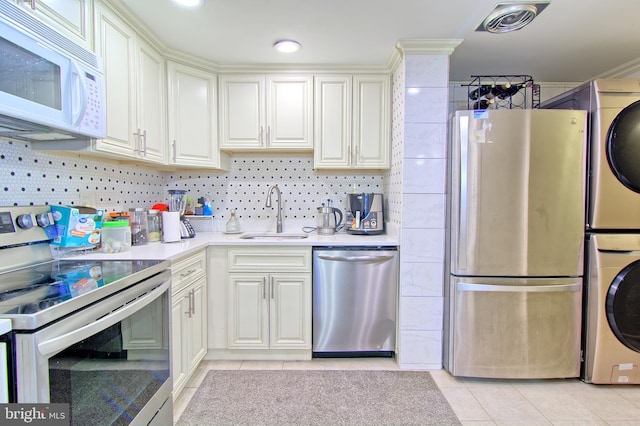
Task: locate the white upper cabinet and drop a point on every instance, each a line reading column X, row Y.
column 72, row 18
column 271, row 112
column 192, row 118
column 115, row 43
column 151, row 108
column 333, row 121
column 135, row 90
column 352, row 116
column 371, row 121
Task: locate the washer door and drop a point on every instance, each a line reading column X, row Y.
column 623, row 299
column 623, row 146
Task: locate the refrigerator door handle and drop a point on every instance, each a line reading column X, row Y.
column 519, row 288
column 461, row 253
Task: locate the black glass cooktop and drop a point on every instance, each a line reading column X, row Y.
column 34, row 289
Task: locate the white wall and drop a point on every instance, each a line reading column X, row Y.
column 422, row 234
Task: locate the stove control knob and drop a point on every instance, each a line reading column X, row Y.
column 44, row 219
column 25, row 221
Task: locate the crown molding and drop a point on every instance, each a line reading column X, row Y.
column 622, row 71
column 427, row 46
column 421, row 47
column 307, row 68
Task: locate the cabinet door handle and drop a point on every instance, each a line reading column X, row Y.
column 136, row 139
column 144, row 139
column 32, row 3
column 191, row 309
column 175, row 158
column 264, row 287
column 186, row 274
column 357, row 153
column 268, row 135
column 272, row 287
column 261, row 135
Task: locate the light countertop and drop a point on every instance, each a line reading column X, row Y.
column 172, row 251
column 5, row 326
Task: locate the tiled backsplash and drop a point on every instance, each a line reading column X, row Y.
column 41, row 177
column 246, row 185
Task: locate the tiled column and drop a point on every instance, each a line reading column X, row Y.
column 422, row 230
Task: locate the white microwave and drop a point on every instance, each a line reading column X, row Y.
column 50, row 87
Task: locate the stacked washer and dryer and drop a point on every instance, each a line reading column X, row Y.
column 611, row 314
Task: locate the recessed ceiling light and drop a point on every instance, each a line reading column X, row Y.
column 189, row 3
column 286, row 46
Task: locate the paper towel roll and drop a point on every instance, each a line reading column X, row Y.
column 170, row 227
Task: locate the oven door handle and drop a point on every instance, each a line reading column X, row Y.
column 63, row 341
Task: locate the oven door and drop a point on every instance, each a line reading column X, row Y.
column 109, row 361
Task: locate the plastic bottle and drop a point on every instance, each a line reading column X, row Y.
column 233, row 226
column 206, row 210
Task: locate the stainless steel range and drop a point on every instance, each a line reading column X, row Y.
column 93, row 334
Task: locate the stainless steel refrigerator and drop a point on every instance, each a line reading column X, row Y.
column 515, row 237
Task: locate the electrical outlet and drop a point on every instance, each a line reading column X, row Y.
column 88, row 198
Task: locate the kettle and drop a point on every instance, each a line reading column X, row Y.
column 327, row 223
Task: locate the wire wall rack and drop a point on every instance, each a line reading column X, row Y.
column 502, row 92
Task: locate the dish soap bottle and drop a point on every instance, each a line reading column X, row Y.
column 233, row 226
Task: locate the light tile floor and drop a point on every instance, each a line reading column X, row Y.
column 480, row 401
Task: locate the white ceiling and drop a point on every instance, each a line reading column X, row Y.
column 570, row 41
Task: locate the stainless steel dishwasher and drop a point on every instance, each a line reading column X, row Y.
column 354, row 301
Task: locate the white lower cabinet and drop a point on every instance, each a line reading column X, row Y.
column 269, row 311
column 188, row 318
column 269, row 298
column 143, row 330
column 188, row 344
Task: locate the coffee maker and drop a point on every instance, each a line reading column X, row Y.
column 365, row 214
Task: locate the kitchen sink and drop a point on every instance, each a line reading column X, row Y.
column 273, row 236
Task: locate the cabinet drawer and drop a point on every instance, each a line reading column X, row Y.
column 278, row 259
column 187, row 270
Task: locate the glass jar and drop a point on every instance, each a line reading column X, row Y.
column 116, row 236
column 155, row 225
column 233, row 225
column 139, row 226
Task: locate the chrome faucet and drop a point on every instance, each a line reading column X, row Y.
column 268, row 204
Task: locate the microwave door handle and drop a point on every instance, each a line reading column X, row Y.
column 55, row 345
column 78, row 94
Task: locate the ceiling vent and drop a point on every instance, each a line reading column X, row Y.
column 507, row 17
